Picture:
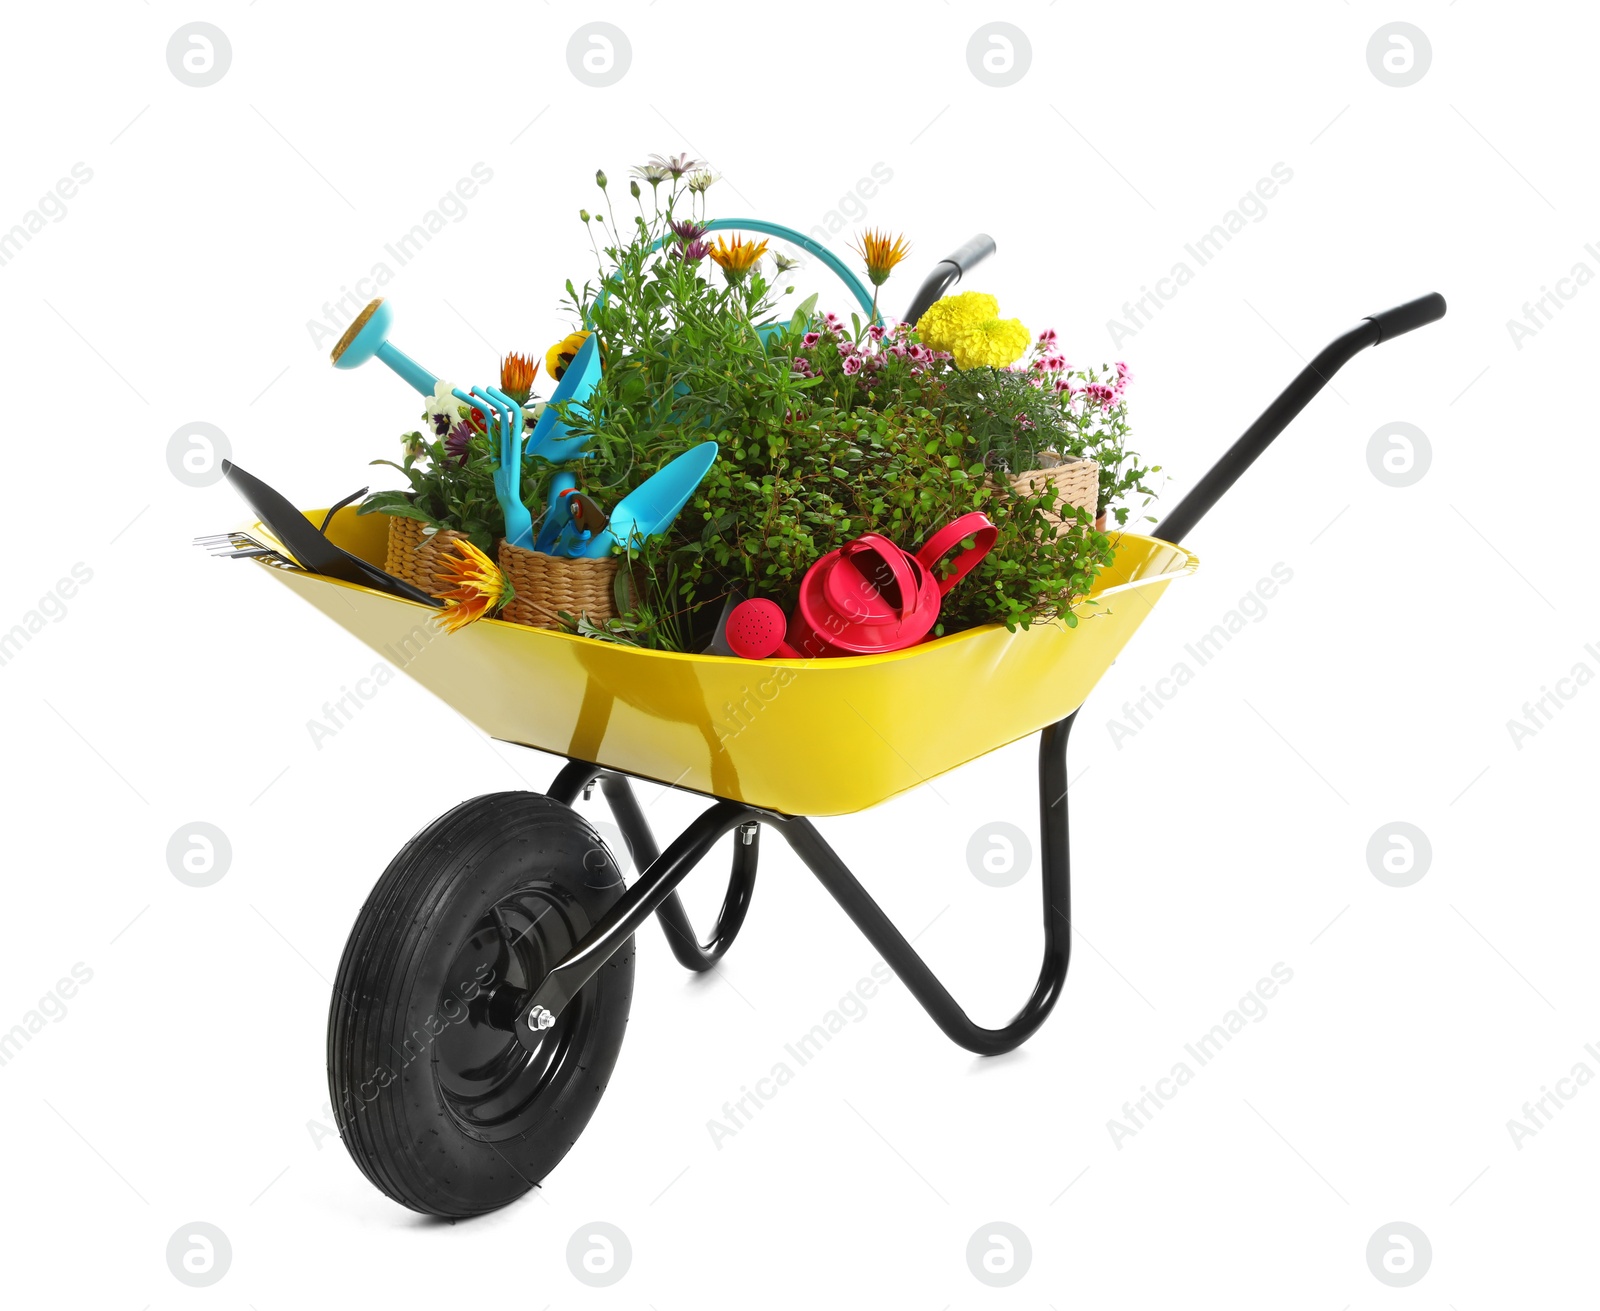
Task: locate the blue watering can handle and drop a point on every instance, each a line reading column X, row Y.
column 860, row 292
column 862, row 295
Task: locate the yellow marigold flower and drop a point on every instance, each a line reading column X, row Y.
column 880, row 252
column 994, row 344
column 561, row 354
column 739, row 258
column 479, row 586
column 954, row 316
column 969, row 326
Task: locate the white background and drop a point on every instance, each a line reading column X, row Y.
column 185, row 1082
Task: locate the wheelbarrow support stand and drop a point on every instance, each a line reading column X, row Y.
column 656, row 891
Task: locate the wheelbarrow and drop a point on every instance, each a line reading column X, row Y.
column 482, row 997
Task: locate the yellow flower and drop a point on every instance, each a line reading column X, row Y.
column 953, row 316
column 994, row 344
column 739, row 258
column 969, row 326
column 560, row 355
column 880, row 252
column 480, row 586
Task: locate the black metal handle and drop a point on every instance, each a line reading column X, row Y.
column 1413, row 314
column 1375, row 328
column 963, row 260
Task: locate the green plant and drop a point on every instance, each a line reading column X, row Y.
column 454, row 488
column 826, row 430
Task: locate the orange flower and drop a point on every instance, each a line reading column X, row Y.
column 739, row 258
column 479, row 586
column 517, row 373
column 881, row 253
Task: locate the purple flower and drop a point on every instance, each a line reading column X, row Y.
column 810, row 339
column 457, row 441
column 688, row 230
column 852, row 365
column 694, row 252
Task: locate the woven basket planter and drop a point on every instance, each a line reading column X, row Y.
column 548, row 585
column 1077, row 482
column 414, row 555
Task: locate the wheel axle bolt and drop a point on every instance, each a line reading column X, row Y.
column 539, row 1018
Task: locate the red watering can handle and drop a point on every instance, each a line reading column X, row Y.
column 976, row 525
column 892, row 556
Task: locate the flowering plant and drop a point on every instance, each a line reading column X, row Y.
column 827, row 428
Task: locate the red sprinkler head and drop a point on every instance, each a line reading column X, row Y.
column 755, row 630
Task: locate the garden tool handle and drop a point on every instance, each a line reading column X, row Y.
column 904, row 581
column 1372, row 330
column 954, row 265
column 974, row 524
column 1403, row 318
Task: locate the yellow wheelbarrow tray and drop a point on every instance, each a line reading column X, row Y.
column 438, row 1080
column 799, row 736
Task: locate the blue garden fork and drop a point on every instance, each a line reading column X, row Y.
column 503, row 417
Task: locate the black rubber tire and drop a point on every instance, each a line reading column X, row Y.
column 413, row 1090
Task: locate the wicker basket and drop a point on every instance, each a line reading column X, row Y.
column 547, row 585
column 1077, row 482
column 414, row 555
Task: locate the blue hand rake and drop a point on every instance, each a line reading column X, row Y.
column 503, row 417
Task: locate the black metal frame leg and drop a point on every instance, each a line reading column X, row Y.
column 924, row 985
column 654, row 891
column 630, row 910
column 576, row 776
column 691, row 953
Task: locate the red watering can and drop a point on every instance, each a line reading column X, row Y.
column 870, row 596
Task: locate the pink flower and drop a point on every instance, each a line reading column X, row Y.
column 847, row 348
column 1100, row 393
column 1056, row 363
column 1023, row 422
column 1040, row 365
column 852, row 365
column 876, row 331
column 800, row 364
column 810, row 339
column 1064, row 384
column 1047, row 337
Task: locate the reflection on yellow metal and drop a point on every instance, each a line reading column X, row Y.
column 818, row 737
